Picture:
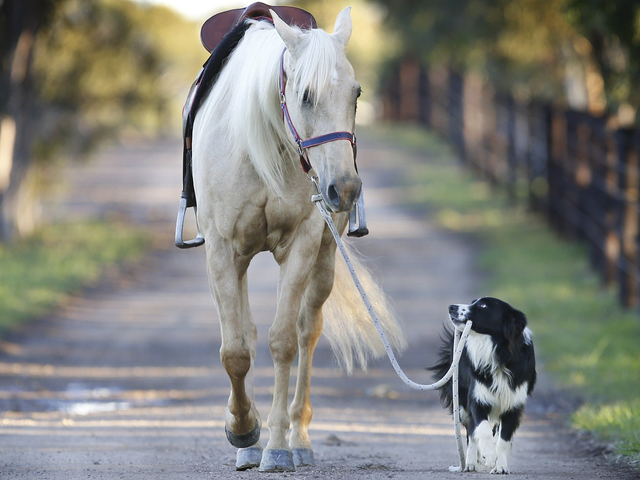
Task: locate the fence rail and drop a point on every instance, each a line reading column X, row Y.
column 570, row 165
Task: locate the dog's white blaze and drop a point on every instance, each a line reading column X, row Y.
column 528, row 336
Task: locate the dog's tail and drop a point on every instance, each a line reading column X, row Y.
column 445, row 358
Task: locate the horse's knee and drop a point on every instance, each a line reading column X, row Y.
column 283, row 347
column 236, row 362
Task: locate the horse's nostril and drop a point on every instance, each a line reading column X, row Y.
column 333, row 195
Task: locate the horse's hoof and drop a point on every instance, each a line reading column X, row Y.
column 277, row 461
column 247, row 458
column 303, row 457
column 246, row 440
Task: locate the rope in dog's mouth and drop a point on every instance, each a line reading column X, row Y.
column 459, row 340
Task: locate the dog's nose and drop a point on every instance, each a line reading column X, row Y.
column 453, row 308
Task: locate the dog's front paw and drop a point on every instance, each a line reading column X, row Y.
column 455, row 468
column 470, row 467
column 489, row 459
column 500, row 469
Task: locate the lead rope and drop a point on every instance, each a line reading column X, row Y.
column 458, row 341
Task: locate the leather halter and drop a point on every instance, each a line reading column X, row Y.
column 303, row 145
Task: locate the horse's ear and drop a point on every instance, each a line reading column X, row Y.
column 342, row 28
column 289, row 36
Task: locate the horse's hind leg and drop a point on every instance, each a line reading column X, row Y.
column 227, row 276
column 309, row 331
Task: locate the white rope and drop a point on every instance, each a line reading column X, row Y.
column 458, row 345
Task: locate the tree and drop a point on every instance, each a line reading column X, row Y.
column 535, row 47
column 20, row 23
column 613, row 31
column 73, row 74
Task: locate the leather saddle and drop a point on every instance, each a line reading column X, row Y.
column 216, row 27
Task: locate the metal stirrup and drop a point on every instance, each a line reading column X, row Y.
column 357, row 218
column 180, row 243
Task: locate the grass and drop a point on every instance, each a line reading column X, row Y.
column 37, row 274
column 586, row 340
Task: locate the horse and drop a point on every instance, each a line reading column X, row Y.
column 253, row 196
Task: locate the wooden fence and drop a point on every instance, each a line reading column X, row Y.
column 582, row 174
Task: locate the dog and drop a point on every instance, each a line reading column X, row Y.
column 496, row 375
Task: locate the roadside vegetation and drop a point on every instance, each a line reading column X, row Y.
column 584, row 338
column 40, row 272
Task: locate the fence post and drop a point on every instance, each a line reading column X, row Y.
column 558, row 152
column 512, row 163
column 409, row 85
column 473, row 121
column 425, row 97
column 628, row 217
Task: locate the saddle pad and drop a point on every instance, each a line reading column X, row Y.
column 216, row 27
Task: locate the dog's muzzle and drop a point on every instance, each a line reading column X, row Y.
column 459, row 315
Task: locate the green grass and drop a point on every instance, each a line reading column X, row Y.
column 586, row 340
column 37, row 274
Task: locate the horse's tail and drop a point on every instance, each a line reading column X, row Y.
column 347, row 323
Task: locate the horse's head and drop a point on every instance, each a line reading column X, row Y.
column 321, row 93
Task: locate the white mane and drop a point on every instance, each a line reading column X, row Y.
column 247, row 95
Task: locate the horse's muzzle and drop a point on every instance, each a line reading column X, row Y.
column 340, row 196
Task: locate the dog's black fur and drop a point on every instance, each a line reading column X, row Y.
column 496, row 374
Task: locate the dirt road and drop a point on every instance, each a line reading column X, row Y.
column 125, row 382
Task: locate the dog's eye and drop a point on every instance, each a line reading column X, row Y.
column 483, row 305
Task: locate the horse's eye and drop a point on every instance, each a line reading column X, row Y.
column 306, row 97
column 359, row 92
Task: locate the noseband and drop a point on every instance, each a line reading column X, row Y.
column 303, row 145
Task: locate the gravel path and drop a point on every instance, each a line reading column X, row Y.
column 125, row 381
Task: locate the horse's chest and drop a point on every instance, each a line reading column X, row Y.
column 263, row 225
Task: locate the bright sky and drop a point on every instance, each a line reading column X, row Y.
column 199, row 9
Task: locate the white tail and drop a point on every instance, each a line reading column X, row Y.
column 347, row 324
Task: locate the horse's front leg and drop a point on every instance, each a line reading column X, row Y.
column 310, row 324
column 295, row 267
column 227, row 276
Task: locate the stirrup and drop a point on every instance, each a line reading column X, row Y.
column 357, row 219
column 180, row 243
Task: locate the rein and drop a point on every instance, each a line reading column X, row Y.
column 303, row 145
column 459, row 341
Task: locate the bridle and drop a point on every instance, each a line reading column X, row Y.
column 303, row 145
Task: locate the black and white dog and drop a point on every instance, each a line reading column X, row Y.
column 496, row 374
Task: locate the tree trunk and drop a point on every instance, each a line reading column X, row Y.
column 15, row 132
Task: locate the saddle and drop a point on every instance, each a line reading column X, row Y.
column 215, row 28
column 220, row 35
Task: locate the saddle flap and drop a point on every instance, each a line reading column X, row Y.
column 216, row 27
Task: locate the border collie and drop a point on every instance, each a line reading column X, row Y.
column 496, row 374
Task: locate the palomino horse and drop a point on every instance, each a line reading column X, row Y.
column 253, row 196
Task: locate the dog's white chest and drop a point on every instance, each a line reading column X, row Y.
column 499, row 395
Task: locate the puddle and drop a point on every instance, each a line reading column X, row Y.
column 86, row 408
column 76, row 399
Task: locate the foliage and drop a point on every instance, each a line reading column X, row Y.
column 583, row 337
column 540, row 48
column 613, row 30
column 97, row 70
column 39, row 273
column 371, row 43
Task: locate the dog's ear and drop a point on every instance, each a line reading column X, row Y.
column 513, row 326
